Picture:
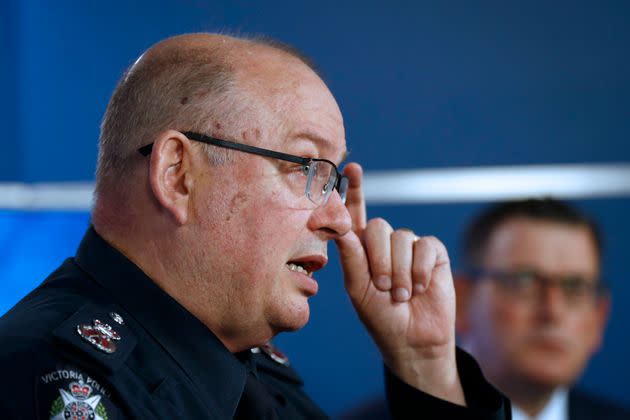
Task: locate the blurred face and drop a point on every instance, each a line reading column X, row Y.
column 260, row 238
column 542, row 337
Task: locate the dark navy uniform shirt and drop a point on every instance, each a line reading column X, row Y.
column 100, row 340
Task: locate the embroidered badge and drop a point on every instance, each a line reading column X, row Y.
column 100, row 335
column 74, row 396
column 78, row 403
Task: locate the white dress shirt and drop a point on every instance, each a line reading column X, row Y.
column 556, row 409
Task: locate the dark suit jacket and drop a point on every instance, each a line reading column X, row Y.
column 583, row 406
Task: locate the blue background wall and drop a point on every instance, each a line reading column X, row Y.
column 421, row 85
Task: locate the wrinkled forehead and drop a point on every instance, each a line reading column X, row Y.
column 291, row 102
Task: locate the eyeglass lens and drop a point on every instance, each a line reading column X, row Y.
column 528, row 284
column 322, row 179
column 317, row 188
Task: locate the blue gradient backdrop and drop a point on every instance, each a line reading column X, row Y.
column 421, row 85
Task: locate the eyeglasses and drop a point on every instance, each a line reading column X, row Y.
column 528, row 284
column 322, row 175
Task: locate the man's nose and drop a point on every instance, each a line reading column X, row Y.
column 332, row 217
column 552, row 299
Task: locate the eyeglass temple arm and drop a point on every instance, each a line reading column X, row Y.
column 246, row 148
column 146, row 150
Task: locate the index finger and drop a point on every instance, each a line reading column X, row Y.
column 355, row 202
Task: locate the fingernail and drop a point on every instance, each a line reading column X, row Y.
column 418, row 287
column 383, row 282
column 401, row 294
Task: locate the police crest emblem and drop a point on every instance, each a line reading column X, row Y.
column 78, row 403
column 73, row 395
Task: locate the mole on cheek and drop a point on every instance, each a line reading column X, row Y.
column 184, row 100
column 236, row 203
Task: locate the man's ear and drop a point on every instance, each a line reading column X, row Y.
column 170, row 174
column 464, row 287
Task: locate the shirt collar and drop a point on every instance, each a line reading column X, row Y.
column 557, row 408
column 218, row 374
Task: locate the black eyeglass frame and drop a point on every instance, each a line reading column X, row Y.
column 146, row 150
column 599, row 287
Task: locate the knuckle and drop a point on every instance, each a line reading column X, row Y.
column 378, row 223
column 403, row 234
column 433, row 240
column 421, row 242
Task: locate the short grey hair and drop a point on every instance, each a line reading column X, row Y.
column 188, row 89
column 179, row 92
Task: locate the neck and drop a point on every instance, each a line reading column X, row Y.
column 531, row 398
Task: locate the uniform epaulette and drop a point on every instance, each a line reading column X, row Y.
column 100, row 333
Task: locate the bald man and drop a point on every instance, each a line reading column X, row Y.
column 217, row 191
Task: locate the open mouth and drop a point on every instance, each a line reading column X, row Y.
column 299, row 268
column 307, row 265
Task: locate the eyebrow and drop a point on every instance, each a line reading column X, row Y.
column 316, row 138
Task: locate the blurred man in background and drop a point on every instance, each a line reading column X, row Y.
column 531, row 306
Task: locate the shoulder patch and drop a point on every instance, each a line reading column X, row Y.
column 97, row 332
column 69, row 393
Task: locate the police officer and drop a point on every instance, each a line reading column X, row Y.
column 217, row 191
